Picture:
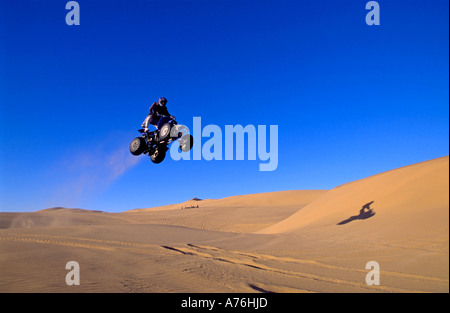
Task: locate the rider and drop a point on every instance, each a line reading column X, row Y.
column 157, row 110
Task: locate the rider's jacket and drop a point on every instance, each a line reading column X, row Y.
column 157, row 109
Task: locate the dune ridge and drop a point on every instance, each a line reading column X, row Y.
column 404, row 200
column 286, row 241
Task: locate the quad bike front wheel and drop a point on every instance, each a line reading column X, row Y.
column 164, row 132
column 186, row 143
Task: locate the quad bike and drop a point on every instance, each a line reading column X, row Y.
column 156, row 143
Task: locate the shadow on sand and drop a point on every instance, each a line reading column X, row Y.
column 365, row 212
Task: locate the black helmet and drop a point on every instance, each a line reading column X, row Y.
column 162, row 101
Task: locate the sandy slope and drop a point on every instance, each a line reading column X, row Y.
column 290, row 241
column 247, row 213
column 409, row 202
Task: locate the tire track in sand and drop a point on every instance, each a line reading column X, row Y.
column 82, row 242
column 259, row 262
column 251, row 260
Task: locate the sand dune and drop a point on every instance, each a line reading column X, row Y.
column 287, row 241
column 247, row 213
column 408, row 202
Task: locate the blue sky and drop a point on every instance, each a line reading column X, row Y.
column 350, row 100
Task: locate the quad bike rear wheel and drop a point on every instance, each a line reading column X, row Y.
column 137, row 146
column 158, row 155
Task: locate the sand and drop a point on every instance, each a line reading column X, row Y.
column 287, row 241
